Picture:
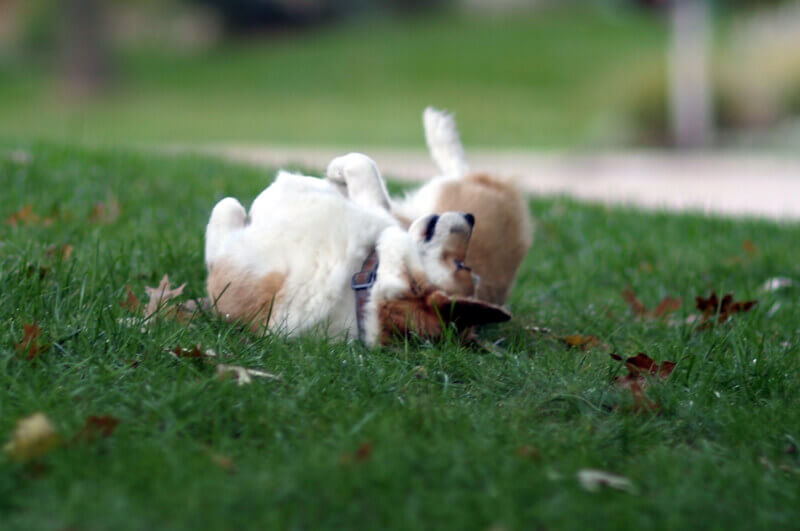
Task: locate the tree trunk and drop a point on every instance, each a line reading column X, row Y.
column 85, row 59
column 689, row 79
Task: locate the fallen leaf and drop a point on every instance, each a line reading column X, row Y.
column 184, row 311
column 41, row 271
column 131, row 303
column 750, row 248
column 222, row 461
column 643, row 363
column 528, row 452
column 105, row 212
column 593, row 480
column 722, row 308
column 97, row 425
column 640, row 368
column 581, row 342
column 193, row 352
column 63, row 252
column 23, row 215
column 662, row 309
column 33, row 437
column 666, row 306
column 636, row 305
column 363, row 453
column 30, row 341
column 160, row 295
column 242, row 375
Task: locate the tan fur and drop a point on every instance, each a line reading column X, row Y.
column 463, row 280
column 399, row 317
column 242, row 297
column 424, row 313
column 501, row 236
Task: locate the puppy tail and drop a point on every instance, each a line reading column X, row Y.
column 444, row 144
column 228, row 215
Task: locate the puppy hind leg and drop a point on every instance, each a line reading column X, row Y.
column 359, row 176
column 228, row 215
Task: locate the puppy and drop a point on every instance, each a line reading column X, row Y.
column 502, row 233
column 328, row 254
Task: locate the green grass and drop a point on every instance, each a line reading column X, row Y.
column 552, row 78
column 444, row 447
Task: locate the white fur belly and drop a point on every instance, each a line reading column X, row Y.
column 302, row 228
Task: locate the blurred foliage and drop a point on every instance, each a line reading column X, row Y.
column 756, row 78
column 251, row 15
column 39, row 30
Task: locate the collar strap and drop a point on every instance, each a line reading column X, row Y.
column 361, row 284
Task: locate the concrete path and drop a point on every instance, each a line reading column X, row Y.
column 732, row 184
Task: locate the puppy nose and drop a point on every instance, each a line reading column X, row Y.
column 470, row 219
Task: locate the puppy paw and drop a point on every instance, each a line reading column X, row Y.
column 357, row 177
column 228, row 215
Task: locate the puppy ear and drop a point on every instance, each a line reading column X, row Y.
column 466, row 312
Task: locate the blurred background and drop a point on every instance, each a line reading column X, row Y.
column 530, row 74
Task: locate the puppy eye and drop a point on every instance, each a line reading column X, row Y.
column 460, row 265
column 430, row 228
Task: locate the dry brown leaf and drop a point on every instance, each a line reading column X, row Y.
column 29, row 344
column 41, row 271
column 528, row 452
column 131, row 303
column 724, row 308
column 193, row 352
column 97, row 426
column 33, row 437
column 222, row 461
column 62, row 252
column 105, row 212
column 184, row 312
column 594, row 480
column 23, row 215
column 581, row 342
column 363, row 453
column 665, row 307
column 636, row 305
column 242, row 375
column 641, row 368
column 160, row 295
column 749, row 247
column 642, row 363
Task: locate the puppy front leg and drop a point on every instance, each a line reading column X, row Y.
column 357, row 176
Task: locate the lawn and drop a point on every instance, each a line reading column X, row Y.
column 415, row 435
column 557, row 77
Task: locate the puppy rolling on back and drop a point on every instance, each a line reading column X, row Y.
column 327, row 253
column 502, row 233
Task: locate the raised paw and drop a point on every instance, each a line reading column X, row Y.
column 228, row 215
column 358, row 178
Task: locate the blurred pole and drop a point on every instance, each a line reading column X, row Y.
column 689, row 78
column 85, row 61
